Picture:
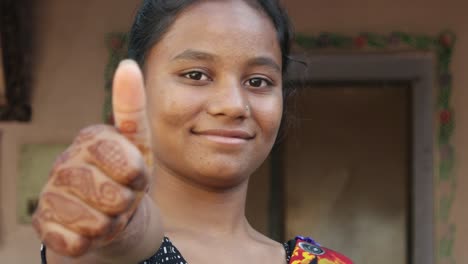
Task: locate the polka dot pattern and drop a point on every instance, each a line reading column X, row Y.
column 169, row 254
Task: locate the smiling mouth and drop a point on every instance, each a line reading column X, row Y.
column 225, row 136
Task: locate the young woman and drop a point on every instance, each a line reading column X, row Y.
column 197, row 111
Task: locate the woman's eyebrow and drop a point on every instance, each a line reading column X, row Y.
column 264, row 61
column 191, row 54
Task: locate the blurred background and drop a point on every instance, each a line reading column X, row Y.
column 374, row 166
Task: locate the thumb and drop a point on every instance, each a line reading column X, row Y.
column 129, row 107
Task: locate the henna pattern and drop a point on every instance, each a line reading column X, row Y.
column 89, row 133
column 68, row 154
column 128, row 127
column 76, row 178
column 80, row 182
column 56, row 241
column 59, row 209
column 110, row 154
column 111, row 158
column 109, row 192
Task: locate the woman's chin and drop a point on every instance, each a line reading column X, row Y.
column 226, row 178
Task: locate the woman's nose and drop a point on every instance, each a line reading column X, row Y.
column 229, row 99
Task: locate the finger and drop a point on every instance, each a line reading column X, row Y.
column 60, row 239
column 118, row 224
column 94, row 188
column 131, row 222
column 119, row 159
column 129, row 106
column 71, row 152
column 89, row 134
column 73, row 214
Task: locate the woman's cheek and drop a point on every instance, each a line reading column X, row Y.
column 180, row 109
column 269, row 119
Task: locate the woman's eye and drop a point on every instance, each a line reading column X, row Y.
column 258, row 82
column 196, row 75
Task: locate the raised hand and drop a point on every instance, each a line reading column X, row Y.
column 99, row 183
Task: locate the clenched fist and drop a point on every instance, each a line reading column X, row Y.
column 97, row 187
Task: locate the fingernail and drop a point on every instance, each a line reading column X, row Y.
column 127, row 61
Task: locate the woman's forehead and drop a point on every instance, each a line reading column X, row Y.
column 231, row 28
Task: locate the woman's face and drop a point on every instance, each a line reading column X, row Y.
column 214, row 85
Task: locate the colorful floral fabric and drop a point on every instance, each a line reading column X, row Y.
column 307, row 251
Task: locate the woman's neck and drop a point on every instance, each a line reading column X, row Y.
column 188, row 207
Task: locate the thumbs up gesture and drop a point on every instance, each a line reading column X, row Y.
column 95, row 199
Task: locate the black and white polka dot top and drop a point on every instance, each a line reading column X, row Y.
column 169, row 254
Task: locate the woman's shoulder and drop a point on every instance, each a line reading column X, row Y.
column 305, row 248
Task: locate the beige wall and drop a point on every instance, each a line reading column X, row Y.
column 68, row 92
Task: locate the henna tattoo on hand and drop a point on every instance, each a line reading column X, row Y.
column 119, row 224
column 110, row 154
column 59, row 209
column 89, row 133
column 128, row 127
column 73, row 245
column 56, row 242
column 107, row 195
column 111, row 157
column 68, row 154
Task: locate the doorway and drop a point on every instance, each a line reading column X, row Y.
column 347, row 170
column 413, row 212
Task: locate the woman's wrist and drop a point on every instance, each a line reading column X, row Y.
column 135, row 243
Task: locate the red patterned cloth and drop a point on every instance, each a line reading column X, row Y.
column 306, row 251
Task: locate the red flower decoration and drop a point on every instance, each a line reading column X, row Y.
column 445, row 117
column 116, row 43
column 446, row 40
column 360, row 41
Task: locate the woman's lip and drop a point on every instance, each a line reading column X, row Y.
column 226, row 133
column 226, row 141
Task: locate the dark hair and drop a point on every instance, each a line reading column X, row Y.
column 155, row 17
